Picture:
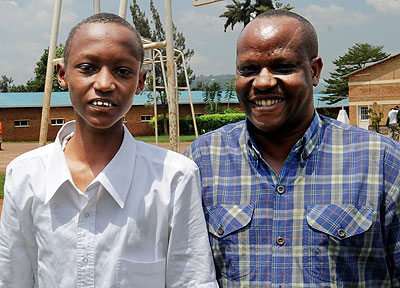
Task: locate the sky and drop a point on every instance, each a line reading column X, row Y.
column 25, row 28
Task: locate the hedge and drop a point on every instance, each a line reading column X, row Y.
column 205, row 123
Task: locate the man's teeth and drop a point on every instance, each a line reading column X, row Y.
column 267, row 102
column 102, row 103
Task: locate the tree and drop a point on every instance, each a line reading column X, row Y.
column 212, row 97
column 154, row 31
column 239, row 11
column 375, row 114
column 5, row 83
column 38, row 82
column 229, row 89
column 357, row 57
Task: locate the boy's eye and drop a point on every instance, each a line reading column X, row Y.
column 285, row 68
column 124, row 71
column 86, row 68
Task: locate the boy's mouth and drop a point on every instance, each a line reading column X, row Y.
column 101, row 103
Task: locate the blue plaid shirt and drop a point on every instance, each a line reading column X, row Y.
column 331, row 218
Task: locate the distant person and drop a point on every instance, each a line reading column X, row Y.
column 293, row 198
column 97, row 208
column 1, row 135
column 394, row 129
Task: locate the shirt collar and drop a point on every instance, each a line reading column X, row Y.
column 116, row 177
column 304, row 146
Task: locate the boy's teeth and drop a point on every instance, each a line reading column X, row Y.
column 101, row 103
column 267, row 102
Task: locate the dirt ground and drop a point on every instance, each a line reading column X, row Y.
column 12, row 150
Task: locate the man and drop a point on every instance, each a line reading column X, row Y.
column 292, row 198
column 394, row 129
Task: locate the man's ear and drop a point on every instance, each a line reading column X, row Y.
column 61, row 75
column 316, row 68
column 141, row 82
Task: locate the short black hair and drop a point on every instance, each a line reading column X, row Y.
column 105, row 18
column 310, row 35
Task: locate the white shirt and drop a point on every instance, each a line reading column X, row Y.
column 139, row 223
column 393, row 116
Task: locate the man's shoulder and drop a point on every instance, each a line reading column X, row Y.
column 354, row 134
column 225, row 133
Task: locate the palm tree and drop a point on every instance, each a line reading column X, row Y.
column 245, row 11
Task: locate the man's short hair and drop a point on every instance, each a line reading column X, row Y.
column 309, row 32
column 106, row 18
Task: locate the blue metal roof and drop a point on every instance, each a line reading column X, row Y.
column 60, row 99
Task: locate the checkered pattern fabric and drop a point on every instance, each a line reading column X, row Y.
column 330, row 218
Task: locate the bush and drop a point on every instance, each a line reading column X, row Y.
column 205, row 123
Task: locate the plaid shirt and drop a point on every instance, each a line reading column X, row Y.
column 331, row 218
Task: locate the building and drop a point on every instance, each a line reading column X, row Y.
column 21, row 113
column 380, row 83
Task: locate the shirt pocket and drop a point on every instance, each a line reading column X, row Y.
column 231, row 238
column 336, row 240
column 140, row 274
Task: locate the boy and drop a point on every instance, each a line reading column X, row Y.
column 98, row 208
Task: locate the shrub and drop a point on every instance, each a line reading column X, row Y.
column 205, row 123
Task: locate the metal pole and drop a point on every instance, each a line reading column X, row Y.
column 171, row 87
column 122, row 8
column 96, row 5
column 155, row 97
column 49, row 74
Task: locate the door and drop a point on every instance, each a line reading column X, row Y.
column 363, row 120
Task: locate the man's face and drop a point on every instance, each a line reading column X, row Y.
column 102, row 74
column 275, row 75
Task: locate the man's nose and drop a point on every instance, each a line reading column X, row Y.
column 264, row 80
column 104, row 80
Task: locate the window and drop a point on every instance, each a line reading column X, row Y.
column 198, row 114
column 57, row 122
column 146, row 118
column 21, row 123
column 124, row 119
column 364, row 113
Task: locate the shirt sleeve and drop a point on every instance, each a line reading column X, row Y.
column 15, row 265
column 189, row 258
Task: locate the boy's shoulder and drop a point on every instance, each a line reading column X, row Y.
column 31, row 157
column 161, row 156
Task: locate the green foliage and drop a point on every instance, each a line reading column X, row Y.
column 212, row 97
column 2, row 179
column 244, row 12
column 5, row 83
column 357, row 57
column 205, row 123
column 154, row 31
column 38, row 82
column 375, row 114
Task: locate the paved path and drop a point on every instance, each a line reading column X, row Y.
column 12, row 150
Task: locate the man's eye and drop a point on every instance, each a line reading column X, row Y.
column 248, row 71
column 124, row 71
column 86, row 68
column 285, row 68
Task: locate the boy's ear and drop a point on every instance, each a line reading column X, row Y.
column 61, row 75
column 141, row 82
column 316, row 68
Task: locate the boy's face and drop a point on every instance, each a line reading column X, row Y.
column 102, row 74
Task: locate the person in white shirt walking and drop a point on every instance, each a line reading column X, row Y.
column 97, row 208
column 394, row 130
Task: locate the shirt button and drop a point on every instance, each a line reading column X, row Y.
column 304, row 156
column 87, row 215
column 341, row 233
column 280, row 241
column 280, row 189
column 85, row 260
column 221, row 231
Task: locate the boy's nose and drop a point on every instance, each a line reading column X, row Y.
column 104, row 80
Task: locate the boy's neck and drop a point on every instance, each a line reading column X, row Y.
column 89, row 151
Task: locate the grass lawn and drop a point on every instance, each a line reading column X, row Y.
column 165, row 138
column 2, row 176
